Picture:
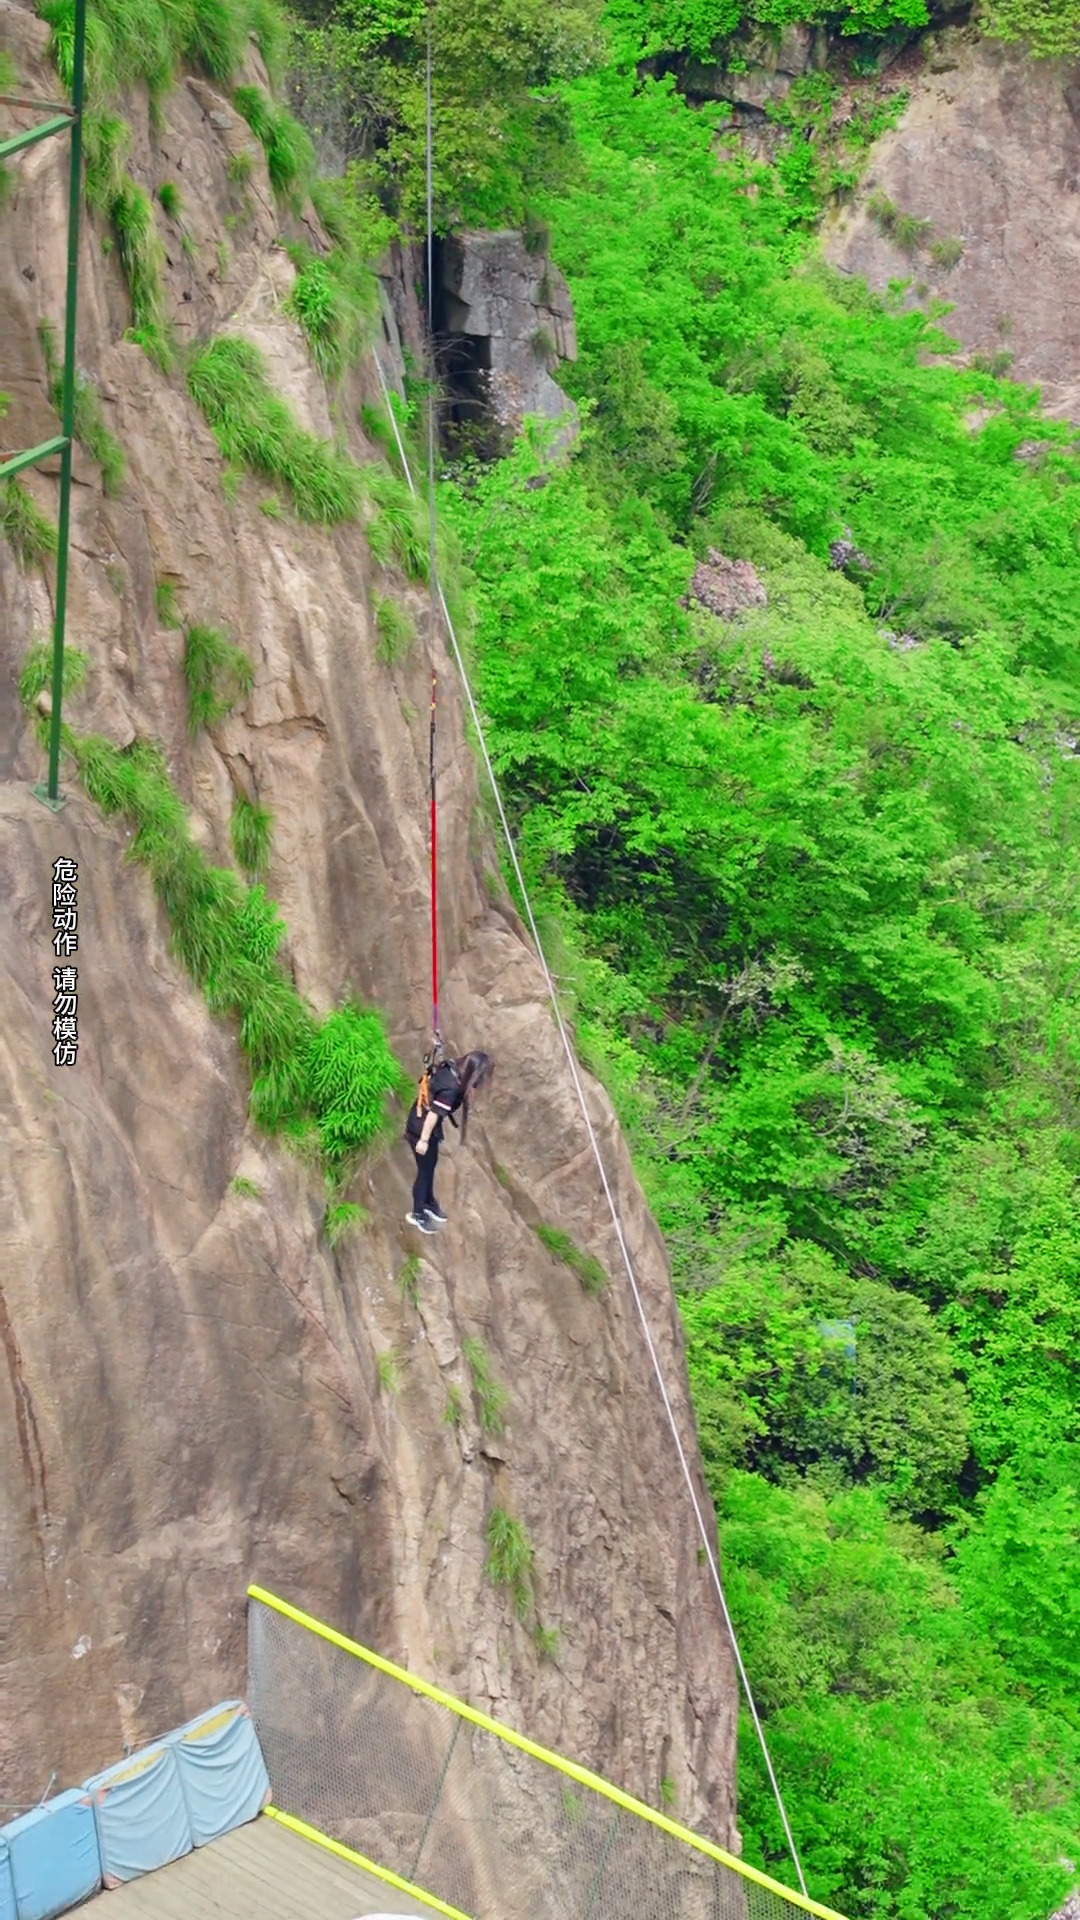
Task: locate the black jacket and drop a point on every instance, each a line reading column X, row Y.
column 445, row 1095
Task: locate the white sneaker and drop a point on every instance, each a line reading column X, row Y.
column 420, row 1221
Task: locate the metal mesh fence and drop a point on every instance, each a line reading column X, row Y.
column 413, row 1783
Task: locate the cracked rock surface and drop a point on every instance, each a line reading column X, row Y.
column 190, row 1396
column 988, row 151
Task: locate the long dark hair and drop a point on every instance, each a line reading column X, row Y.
column 474, row 1070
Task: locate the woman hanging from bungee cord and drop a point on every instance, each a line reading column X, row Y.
column 447, row 1086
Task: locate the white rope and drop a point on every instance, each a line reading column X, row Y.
column 612, row 1207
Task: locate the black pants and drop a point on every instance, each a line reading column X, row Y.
column 423, row 1192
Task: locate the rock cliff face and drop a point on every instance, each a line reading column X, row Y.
column 191, row 1393
column 988, row 153
column 986, row 156
column 505, row 320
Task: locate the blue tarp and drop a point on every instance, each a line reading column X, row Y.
column 222, row 1773
column 7, row 1884
column 54, row 1856
column 141, row 1817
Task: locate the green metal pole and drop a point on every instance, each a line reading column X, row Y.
column 31, row 457
column 67, row 408
column 29, row 139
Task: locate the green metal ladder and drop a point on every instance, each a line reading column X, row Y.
column 61, row 120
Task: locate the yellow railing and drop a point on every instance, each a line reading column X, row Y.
column 428, row 1792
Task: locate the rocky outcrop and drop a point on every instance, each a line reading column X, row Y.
column 767, row 66
column 191, row 1394
column 988, row 155
column 979, row 183
column 725, row 587
column 756, row 67
column 505, row 320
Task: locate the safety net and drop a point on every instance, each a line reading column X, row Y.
column 445, row 1799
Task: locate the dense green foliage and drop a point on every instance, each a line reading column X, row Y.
column 500, row 125
column 503, row 130
column 1048, row 28
column 920, row 1778
column 810, row 873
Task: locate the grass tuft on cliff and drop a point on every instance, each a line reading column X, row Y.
column 254, row 428
column 112, row 193
column 335, row 300
column 142, row 259
column 90, row 429
column 395, row 631
column 106, row 143
column 35, row 676
column 585, row 1265
column 217, row 674
column 147, row 42
column 336, row 296
column 492, row 1399
column 29, row 534
column 290, row 155
column 342, row 1217
column 510, row 1558
column 398, row 533
column 250, row 830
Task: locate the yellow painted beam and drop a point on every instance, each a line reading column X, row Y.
column 360, row 1860
column 581, row 1775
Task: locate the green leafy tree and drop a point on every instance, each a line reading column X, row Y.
column 1019, row 1570
column 500, row 127
column 776, row 1386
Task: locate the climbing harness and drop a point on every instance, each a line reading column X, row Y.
column 436, row 1060
column 571, row 1060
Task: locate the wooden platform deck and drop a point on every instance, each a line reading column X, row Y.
column 260, row 1872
